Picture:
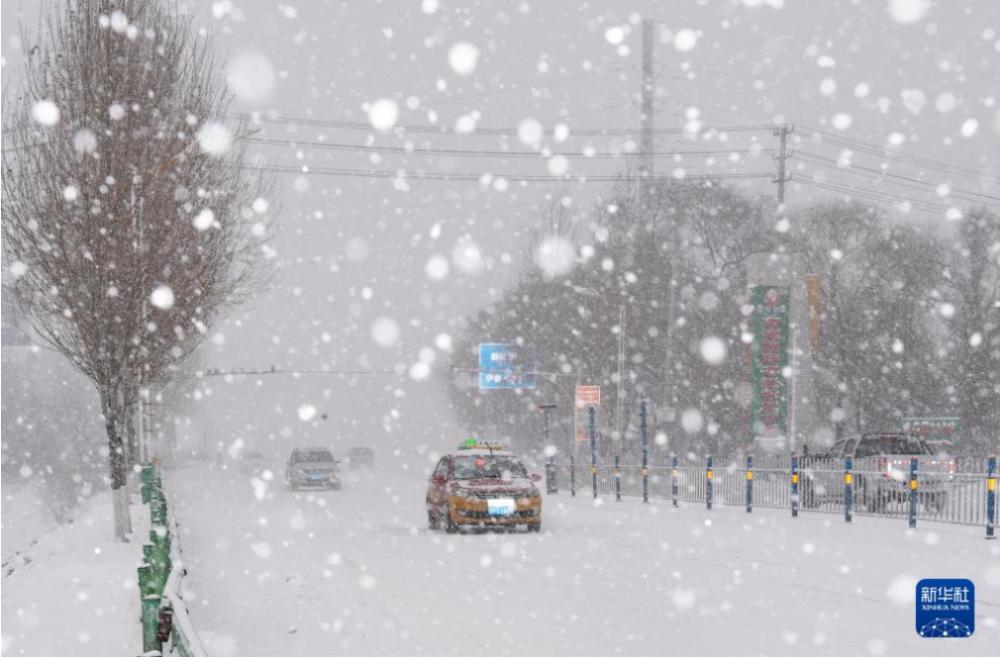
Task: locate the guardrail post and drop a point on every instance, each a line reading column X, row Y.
column 550, row 477
column 159, row 566
column 991, row 497
column 593, row 450
column 572, row 476
column 673, row 479
column 147, row 580
column 795, row 486
column 618, row 479
column 150, row 623
column 749, row 484
column 848, row 488
column 645, row 452
column 913, row 493
column 146, row 482
column 708, row 482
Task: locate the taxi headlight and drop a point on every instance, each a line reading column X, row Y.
column 532, row 494
column 463, row 493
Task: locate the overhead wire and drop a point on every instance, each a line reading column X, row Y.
column 460, row 152
column 873, row 149
column 897, row 179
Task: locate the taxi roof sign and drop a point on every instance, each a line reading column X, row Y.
column 493, row 446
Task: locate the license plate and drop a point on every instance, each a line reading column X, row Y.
column 500, row 507
column 318, row 477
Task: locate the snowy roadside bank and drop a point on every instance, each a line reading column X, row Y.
column 73, row 590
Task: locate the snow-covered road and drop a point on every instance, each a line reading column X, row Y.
column 357, row 572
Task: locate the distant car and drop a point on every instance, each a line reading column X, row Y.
column 483, row 485
column 312, row 467
column 252, row 463
column 881, row 463
column 361, row 457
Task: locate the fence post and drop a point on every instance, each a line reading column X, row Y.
column 913, row 493
column 550, row 477
column 645, row 452
column 593, row 450
column 708, row 483
column 795, row 486
column 150, row 623
column 750, row 484
column 991, row 497
column 848, row 487
column 572, row 476
column 618, row 479
column 673, row 479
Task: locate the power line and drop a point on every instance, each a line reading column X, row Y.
column 873, row 149
column 892, row 178
column 456, row 177
column 869, row 195
column 508, row 131
column 461, row 152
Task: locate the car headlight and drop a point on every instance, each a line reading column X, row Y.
column 533, row 493
column 463, row 493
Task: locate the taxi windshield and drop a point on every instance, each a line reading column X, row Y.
column 488, row 467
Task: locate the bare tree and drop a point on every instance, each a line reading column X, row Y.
column 126, row 212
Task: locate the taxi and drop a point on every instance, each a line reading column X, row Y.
column 483, row 485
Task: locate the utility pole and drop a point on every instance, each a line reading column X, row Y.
column 648, row 147
column 620, row 401
column 782, row 132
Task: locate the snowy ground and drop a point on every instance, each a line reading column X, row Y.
column 69, row 589
column 357, row 572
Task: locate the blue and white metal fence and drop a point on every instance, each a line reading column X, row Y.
column 962, row 493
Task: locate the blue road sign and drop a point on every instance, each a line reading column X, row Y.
column 946, row 608
column 506, row 366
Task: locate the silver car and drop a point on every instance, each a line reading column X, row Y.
column 312, row 467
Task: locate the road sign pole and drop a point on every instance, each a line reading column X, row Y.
column 749, row 484
column 593, row 449
column 645, row 452
column 913, row 493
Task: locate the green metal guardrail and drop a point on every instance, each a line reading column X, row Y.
column 166, row 627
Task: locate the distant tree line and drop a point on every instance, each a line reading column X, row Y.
column 910, row 321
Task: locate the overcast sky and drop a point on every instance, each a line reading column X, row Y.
column 921, row 77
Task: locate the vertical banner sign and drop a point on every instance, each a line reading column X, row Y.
column 506, row 366
column 586, row 396
column 768, row 358
column 812, row 298
column 937, row 431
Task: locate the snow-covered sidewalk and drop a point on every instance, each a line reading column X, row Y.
column 357, row 572
column 72, row 589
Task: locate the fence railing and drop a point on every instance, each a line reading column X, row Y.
column 166, row 626
column 962, row 492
